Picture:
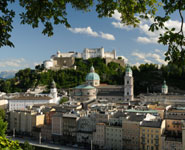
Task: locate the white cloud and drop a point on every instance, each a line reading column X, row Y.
column 157, row 51
column 147, row 61
column 12, row 62
column 147, row 40
column 150, row 37
column 90, row 32
column 87, row 31
column 137, row 64
column 121, row 26
column 107, row 36
column 15, row 64
column 160, row 51
column 148, row 57
column 139, row 55
column 117, row 15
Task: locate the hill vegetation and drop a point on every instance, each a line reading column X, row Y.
column 149, row 76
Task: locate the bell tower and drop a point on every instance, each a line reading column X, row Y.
column 129, row 85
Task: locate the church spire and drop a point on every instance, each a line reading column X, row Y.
column 92, row 69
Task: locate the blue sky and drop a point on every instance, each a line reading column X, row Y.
column 137, row 45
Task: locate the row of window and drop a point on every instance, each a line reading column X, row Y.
column 156, row 131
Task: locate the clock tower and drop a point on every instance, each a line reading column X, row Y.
column 129, row 85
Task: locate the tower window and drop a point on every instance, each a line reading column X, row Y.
column 127, row 82
column 127, row 93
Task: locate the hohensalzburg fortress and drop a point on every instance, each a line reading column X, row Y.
column 66, row 60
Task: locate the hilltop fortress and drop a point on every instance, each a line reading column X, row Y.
column 67, row 60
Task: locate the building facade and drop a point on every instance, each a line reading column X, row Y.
column 150, row 135
column 24, row 121
column 93, row 90
column 99, row 137
column 114, row 137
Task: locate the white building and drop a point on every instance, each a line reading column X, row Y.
column 129, row 84
column 21, row 101
column 98, row 52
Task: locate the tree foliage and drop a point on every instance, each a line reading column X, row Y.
column 174, row 39
column 149, row 76
column 2, row 113
column 27, row 146
column 6, row 144
column 63, row 100
column 3, row 127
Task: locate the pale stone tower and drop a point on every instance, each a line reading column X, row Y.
column 164, row 88
column 129, row 85
column 53, row 91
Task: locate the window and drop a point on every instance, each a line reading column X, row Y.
column 156, row 136
column 148, row 148
column 127, row 82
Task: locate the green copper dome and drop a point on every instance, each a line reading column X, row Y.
column 128, row 69
column 164, row 85
column 84, row 87
column 92, row 75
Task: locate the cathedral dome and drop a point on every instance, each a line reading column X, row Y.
column 92, row 75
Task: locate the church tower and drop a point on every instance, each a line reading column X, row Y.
column 129, row 85
column 53, row 91
column 164, row 88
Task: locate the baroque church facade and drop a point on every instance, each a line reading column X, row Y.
column 92, row 90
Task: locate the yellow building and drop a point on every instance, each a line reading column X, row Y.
column 150, row 135
column 131, row 130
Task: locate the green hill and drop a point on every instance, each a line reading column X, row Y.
column 145, row 76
